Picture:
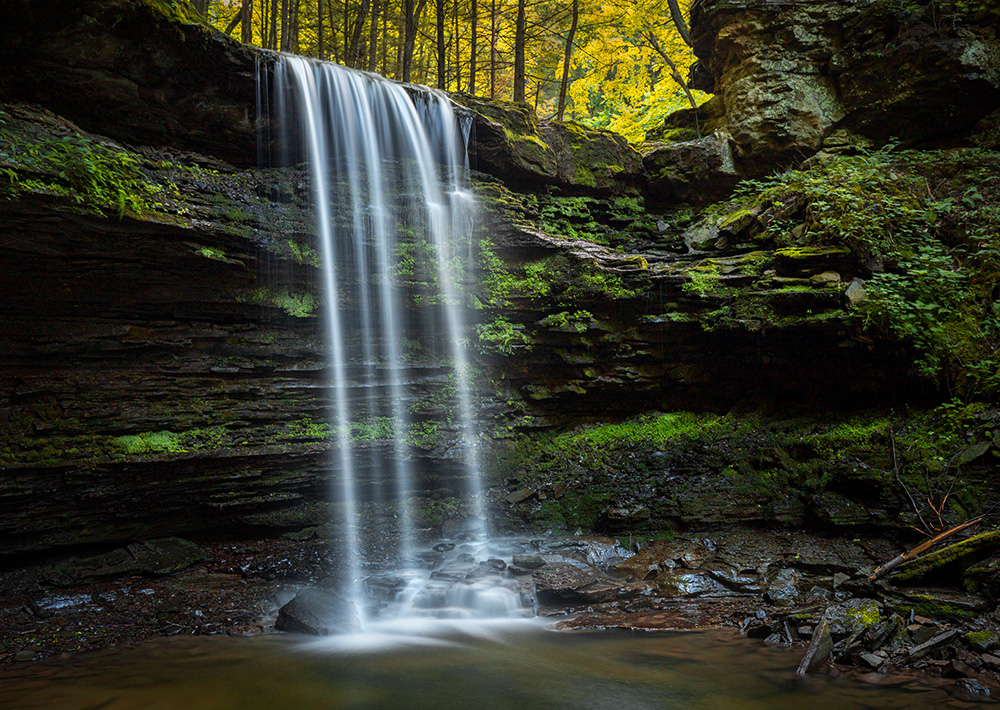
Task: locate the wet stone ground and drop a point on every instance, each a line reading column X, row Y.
column 790, row 589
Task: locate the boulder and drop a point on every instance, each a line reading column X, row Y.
column 698, row 171
column 791, row 73
column 512, row 144
column 318, row 612
column 846, row 618
column 142, row 72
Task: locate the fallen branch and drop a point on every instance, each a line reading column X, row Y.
column 895, row 562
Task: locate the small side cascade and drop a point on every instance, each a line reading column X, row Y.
column 388, row 168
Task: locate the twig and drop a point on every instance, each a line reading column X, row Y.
column 899, row 480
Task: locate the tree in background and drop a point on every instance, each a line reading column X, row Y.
column 615, row 64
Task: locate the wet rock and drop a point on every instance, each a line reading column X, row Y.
column 528, row 561
column 384, row 588
column 872, row 660
column 957, row 669
column 837, row 510
column 454, row 571
column 318, row 612
column 520, row 495
column 922, row 633
column 983, row 640
column 564, row 583
column 743, row 581
column 971, row 689
column 165, row 556
column 654, row 558
column 938, row 641
column 826, row 277
column 819, row 649
column 855, row 292
column 783, row 589
column 990, row 660
column 153, row 557
column 844, row 619
column 690, row 584
column 789, row 73
column 936, row 602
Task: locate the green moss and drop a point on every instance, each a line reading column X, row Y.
column 525, row 138
column 149, row 443
column 927, row 223
column 940, row 560
column 176, row 10
column 983, row 640
column 934, row 609
column 865, row 615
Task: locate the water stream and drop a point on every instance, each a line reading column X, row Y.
column 489, row 664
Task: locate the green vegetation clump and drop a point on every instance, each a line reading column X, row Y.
column 97, row 177
column 501, row 337
column 299, row 305
column 924, row 230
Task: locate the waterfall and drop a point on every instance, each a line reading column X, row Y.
column 383, row 160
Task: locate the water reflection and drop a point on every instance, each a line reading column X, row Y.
column 441, row 665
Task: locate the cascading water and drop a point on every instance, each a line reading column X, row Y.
column 386, row 161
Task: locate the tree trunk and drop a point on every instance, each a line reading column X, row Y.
column 201, row 6
column 441, row 80
column 246, row 36
column 373, row 34
column 284, row 26
column 567, row 54
column 519, row 32
column 678, row 17
column 357, row 49
column 676, row 74
column 273, row 41
column 412, row 18
column 474, row 20
column 319, row 29
column 494, row 31
column 458, row 48
column 293, row 26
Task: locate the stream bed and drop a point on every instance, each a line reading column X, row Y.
column 456, row 664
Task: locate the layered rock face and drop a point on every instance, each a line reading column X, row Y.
column 163, row 370
column 791, row 73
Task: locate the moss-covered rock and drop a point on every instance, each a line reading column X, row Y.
column 950, row 562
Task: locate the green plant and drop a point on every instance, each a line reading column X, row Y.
column 500, row 336
column 93, row 175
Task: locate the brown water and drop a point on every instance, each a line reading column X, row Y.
column 482, row 667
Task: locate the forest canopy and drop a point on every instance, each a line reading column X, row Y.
column 619, row 65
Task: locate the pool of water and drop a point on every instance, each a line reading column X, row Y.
column 440, row 665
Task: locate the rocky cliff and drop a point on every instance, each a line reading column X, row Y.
column 162, row 370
